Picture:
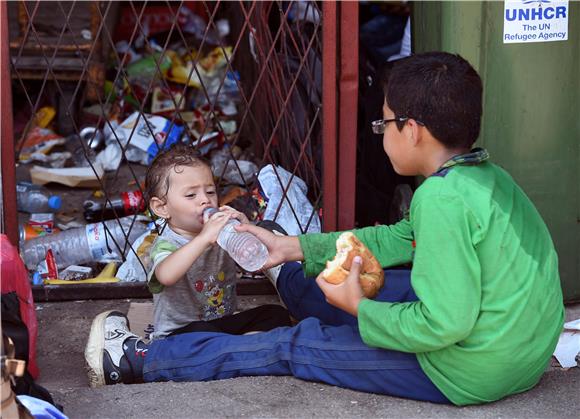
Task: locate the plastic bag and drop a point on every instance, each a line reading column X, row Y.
column 110, row 157
column 239, row 172
column 39, row 141
column 303, row 219
column 148, row 133
column 135, row 266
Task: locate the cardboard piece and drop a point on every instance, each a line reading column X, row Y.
column 140, row 317
column 81, row 177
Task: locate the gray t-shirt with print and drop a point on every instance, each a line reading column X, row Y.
column 207, row 292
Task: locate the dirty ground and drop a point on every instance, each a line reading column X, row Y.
column 64, row 328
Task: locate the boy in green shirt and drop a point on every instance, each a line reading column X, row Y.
column 476, row 319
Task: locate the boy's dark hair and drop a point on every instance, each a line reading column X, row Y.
column 157, row 177
column 442, row 91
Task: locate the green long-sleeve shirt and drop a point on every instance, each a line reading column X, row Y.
column 486, row 273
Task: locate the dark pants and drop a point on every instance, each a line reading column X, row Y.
column 258, row 319
column 324, row 347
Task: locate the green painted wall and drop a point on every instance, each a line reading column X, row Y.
column 531, row 123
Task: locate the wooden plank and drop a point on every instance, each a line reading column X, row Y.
column 49, row 45
column 44, row 293
column 39, row 62
column 121, row 290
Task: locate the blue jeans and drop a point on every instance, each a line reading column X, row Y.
column 325, row 346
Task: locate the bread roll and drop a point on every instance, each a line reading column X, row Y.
column 348, row 246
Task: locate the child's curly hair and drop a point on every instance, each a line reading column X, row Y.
column 157, row 177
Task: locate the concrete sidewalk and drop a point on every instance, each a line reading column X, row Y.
column 64, row 328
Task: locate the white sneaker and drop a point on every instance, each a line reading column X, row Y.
column 112, row 350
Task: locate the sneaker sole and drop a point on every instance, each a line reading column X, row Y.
column 95, row 349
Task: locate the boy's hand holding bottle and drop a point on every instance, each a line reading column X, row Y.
column 245, row 248
column 280, row 248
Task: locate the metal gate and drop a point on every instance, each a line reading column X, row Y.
column 244, row 80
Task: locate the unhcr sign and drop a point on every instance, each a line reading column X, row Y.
column 535, row 21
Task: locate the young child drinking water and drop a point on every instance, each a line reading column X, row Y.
column 192, row 279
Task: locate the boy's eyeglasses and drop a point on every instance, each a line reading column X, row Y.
column 380, row 125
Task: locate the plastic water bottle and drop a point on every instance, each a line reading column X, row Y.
column 34, row 198
column 92, row 242
column 245, row 248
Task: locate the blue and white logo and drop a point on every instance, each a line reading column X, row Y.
column 535, row 21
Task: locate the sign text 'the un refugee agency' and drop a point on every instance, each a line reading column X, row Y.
column 535, row 21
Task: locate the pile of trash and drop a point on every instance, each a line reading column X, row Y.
column 57, row 252
column 154, row 97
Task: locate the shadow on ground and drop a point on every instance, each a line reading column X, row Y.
column 64, row 328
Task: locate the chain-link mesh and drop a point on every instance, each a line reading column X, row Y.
column 103, row 87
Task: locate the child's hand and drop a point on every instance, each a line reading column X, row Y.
column 212, row 227
column 240, row 216
column 347, row 295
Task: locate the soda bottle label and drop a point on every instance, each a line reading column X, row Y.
column 51, row 265
column 96, row 239
column 133, row 202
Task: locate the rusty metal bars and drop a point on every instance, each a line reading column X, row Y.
column 330, row 106
column 9, row 212
column 340, row 102
column 347, row 114
column 318, row 146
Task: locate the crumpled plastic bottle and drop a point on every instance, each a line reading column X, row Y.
column 99, row 242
